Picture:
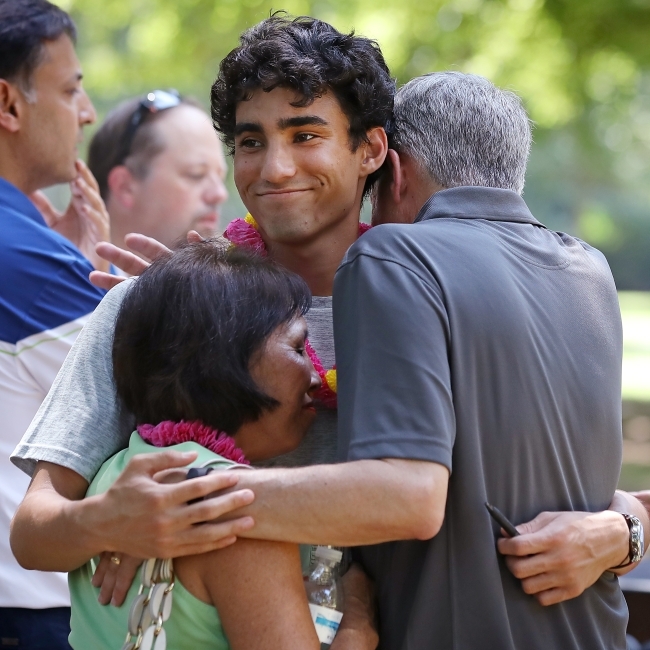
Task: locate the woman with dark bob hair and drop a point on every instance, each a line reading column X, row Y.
column 209, row 354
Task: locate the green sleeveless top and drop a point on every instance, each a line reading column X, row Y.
column 192, row 624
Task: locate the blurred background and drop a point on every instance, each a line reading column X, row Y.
column 581, row 66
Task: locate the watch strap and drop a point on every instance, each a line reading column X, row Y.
column 636, row 549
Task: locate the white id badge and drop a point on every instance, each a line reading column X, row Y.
column 327, row 622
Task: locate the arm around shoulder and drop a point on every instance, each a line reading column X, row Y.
column 348, row 504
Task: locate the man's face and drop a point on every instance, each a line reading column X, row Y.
column 294, row 168
column 56, row 109
column 184, row 187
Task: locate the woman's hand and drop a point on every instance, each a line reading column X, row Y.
column 85, row 222
column 114, row 580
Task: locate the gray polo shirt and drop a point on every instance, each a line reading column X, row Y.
column 480, row 340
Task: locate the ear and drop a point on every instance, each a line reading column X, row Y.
column 121, row 185
column 374, row 151
column 398, row 177
column 11, row 105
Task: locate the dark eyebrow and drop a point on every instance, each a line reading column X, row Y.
column 301, row 120
column 248, row 126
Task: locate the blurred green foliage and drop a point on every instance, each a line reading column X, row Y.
column 581, row 66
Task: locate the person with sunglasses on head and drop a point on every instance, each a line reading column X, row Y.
column 45, row 256
column 160, row 168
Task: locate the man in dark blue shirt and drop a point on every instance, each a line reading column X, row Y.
column 45, row 295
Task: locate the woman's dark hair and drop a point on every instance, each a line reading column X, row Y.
column 312, row 58
column 24, row 25
column 188, row 329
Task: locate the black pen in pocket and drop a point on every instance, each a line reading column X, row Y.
column 502, row 520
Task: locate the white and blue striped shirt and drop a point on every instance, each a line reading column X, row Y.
column 45, row 298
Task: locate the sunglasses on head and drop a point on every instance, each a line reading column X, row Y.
column 154, row 102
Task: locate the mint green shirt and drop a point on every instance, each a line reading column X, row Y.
column 192, row 624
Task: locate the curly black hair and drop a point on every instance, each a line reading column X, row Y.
column 311, row 57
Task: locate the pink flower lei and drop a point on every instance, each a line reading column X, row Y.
column 167, row 433
column 245, row 233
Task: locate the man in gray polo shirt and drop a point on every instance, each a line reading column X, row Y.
column 478, row 339
column 479, row 354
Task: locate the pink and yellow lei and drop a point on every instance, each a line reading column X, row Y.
column 167, row 433
column 245, row 233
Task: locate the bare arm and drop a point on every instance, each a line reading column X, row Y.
column 56, row 529
column 560, row 554
column 349, row 504
column 644, row 498
column 359, row 625
column 258, row 590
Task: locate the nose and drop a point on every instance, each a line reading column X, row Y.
column 314, row 379
column 278, row 164
column 87, row 113
column 215, row 192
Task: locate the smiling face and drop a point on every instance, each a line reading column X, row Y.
column 294, row 166
column 184, row 187
column 54, row 112
column 281, row 369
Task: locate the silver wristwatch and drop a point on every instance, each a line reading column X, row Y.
column 637, row 546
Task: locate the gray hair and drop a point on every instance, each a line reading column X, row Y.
column 463, row 130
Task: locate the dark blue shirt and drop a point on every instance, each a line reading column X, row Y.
column 44, row 277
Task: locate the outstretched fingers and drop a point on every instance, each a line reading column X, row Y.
column 213, row 536
column 128, row 262
column 103, row 280
column 147, row 247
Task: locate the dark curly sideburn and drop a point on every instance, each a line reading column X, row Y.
column 188, row 328
column 311, row 57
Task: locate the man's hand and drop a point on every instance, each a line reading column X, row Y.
column 85, row 222
column 559, row 554
column 145, row 250
column 56, row 529
column 358, row 629
column 149, row 518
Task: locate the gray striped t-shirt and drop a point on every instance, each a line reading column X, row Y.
column 82, row 422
